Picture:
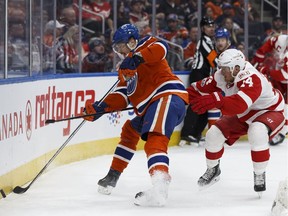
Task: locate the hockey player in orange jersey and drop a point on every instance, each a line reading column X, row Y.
column 158, row 98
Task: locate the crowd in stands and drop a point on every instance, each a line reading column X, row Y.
column 90, row 44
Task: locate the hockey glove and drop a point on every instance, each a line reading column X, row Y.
column 93, row 108
column 206, row 102
column 192, row 93
column 129, row 65
column 132, row 61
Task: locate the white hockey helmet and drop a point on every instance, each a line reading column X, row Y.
column 231, row 58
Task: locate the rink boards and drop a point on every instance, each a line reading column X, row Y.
column 27, row 143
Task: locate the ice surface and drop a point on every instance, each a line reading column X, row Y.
column 71, row 190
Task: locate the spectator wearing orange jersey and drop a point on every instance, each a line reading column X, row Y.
column 215, row 9
column 174, row 32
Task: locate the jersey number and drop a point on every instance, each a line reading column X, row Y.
column 248, row 82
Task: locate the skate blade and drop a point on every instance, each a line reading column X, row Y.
column 105, row 190
column 194, row 144
column 149, row 200
column 150, row 203
column 182, row 143
column 203, row 187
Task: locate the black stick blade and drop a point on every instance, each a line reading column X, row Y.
column 20, row 190
column 50, row 121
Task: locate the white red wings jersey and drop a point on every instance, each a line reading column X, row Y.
column 279, row 62
column 104, row 9
column 153, row 80
column 249, row 96
column 280, row 72
column 135, row 18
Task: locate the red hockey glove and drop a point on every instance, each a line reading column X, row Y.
column 206, row 102
column 192, row 93
column 93, row 108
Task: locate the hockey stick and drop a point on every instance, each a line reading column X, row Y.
column 50, row 121
column 21, row 190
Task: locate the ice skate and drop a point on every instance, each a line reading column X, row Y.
column 202, row 141
column 278, row 139
column 107, row 184
column 158, row 194
column 259, row 183
column 188, row 140
column 211, row 176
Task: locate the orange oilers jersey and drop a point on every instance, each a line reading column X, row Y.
column 153, row 80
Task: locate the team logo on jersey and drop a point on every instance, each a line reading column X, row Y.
column 229, row 85
column 132, row 84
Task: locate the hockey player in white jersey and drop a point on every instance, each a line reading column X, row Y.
column 249, row 104
column 275, row 68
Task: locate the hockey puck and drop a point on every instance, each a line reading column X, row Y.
column 3, row 193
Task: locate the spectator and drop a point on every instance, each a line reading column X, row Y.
column 190, row 12
column 239, row 8
column 190, row 49
column 233, row 28
column 209, row 12
column 228, row 11
column 97, row 59
column 203, row 66
column 50, row 27
column 167, row 7
column 174, row 32
column 16, row 12
column 278, row 27
column 67, row 53
column 241, row 46
column 68, row 17
column 178, row 35
column 49, row 42
column 18, row 47
column 122, row 13
column 92, row 21
column 137, row 15
column 213, row 9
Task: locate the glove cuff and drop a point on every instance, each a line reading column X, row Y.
column 100, row 107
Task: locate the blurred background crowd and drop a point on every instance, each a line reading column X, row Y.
column 74, row 36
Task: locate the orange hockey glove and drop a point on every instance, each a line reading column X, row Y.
column 93, row 108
